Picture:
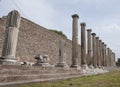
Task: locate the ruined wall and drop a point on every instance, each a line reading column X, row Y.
column 34, row 39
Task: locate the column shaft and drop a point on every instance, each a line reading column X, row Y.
column 83, row 44
column 89, row 49
column 10, row 41
column 75, row 40
column 62, row 54
column 100, row 51
column 94, row 49
column 97, row 51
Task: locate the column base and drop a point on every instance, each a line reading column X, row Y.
column 99, row 67
column 4, row 61
column 75, row 66
column 91, row 66
column 85, row 66
column 95, row 66
column 62, row 65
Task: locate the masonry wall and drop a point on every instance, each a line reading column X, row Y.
column 34, row 39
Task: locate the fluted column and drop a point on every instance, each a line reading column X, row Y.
column 94, row 49
column 83, row 44
column 89, row 48
column 75, row 41
column 62, row 54
column 11, row 34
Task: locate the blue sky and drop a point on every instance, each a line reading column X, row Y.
column 102, row 16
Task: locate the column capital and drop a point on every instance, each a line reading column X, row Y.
column 89, row 30
column 100, row 40
column 83, row 24
column 97, row 37
column 94, row 34
column 75, row 16
column 103, row 43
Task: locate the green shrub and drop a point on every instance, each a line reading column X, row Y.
column 59, row 33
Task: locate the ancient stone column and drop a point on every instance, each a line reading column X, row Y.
column 108, row 57
column 105, row 56
column 114, row 59
column 97, row 51
column 75, row 41
column 89, row 48
column 94, row 49
column 11, row 34
column 83, row 45
column 100, row 52
column 103, row 53
column 62, row 54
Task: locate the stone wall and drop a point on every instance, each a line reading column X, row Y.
column 34, row 39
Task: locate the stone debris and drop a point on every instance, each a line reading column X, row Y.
column 93, row 71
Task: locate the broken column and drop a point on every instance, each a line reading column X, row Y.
column 83, row 46
column 42, row 60
column 62, row 54
column 75, row 41
column 89, row 49
column 94, row 50
column 11, row 36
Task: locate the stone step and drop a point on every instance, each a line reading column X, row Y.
column 12, row 78
column 11, row 72
column 29, row 72
column 15, row 83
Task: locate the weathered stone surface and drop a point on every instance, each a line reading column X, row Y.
column 62, row 54
column 83, row 44
column 11, row 34
column 97, row 51
column 101, row 51
column 89, row 48
column 42, row 60
column 75, row 40
column 34, row 39
column 13, row 19
column 94, row 50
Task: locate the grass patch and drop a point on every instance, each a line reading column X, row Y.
column 111, row 79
